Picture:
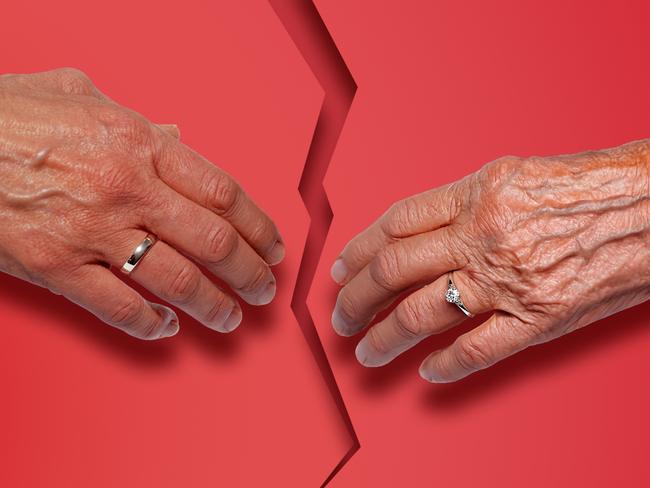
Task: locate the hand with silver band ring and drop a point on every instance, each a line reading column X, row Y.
column 138, row 253
column 82, row 177
column 546, row 245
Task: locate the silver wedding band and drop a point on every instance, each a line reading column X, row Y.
column 453, row 296
column 139, row 252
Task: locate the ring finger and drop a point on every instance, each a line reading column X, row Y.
column 211, row 240
column 420, row 315
column 177, row 280
column 410, row 262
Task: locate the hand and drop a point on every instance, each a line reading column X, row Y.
column 82, row 182
column 548, row 244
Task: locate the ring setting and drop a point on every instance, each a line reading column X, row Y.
column 139, row 252
column 453, row 296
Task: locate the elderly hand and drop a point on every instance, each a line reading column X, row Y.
column 83, row 181
column 548, row 245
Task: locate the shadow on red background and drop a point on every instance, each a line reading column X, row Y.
column 257, row 320
column 381, row 381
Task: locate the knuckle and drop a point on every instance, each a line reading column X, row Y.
column 494, row 175
column 185, row 284
column 504, row 165
column 74, row 81
column 42, row 262
column 385, row 269
column 358, row 252
column 220, row 243
column 221, row 192
column 127, row 131
column 493, row 202
column 399, row 218
column 116, row 183
column 127, row 313
column 456, row 245
column 407, row 320
column 454, row 197
column 473, row 354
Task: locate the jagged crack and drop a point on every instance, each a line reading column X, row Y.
column 309, row 33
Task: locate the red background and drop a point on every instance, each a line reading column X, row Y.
column 443, row 88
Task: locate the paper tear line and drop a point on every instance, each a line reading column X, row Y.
column 312, row 38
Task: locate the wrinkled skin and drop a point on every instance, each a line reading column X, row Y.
column 82, row 182
column 546, row 245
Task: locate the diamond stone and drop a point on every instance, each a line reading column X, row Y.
column 452, row 295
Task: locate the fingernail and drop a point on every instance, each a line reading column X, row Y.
column 361, row 352
column 267, row 295
column 367, row 355
column 170, row 326
column 219, row 321
column 339, row 271
column 428, row 374
column 233, row 320
column 171, row 329
column 276, row 255
column 342, row 325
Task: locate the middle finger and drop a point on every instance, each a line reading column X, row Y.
column 402, row 265
column 423, row 313
column 213, row 242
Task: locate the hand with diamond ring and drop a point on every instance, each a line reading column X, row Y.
column 83, row 181
column 546, row 245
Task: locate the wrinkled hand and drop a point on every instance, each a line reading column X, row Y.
column 83, row 180
column 548, row 245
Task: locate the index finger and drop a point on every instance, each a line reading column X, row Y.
column 196, row 178
column 420, row 213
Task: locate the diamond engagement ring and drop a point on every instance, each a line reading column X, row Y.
column 139, row 252
column 453, row 296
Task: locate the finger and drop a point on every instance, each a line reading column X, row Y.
column 197, row 179
column 420, row 213
column 100, row 292
column 171, row 129
column 502, row 335
column 397, row 267
column 178, row 281
column 212, row 241
column 421, row 314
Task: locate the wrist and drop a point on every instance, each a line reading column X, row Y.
column 601, row 199
column 620, row 177
column 634, row 159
